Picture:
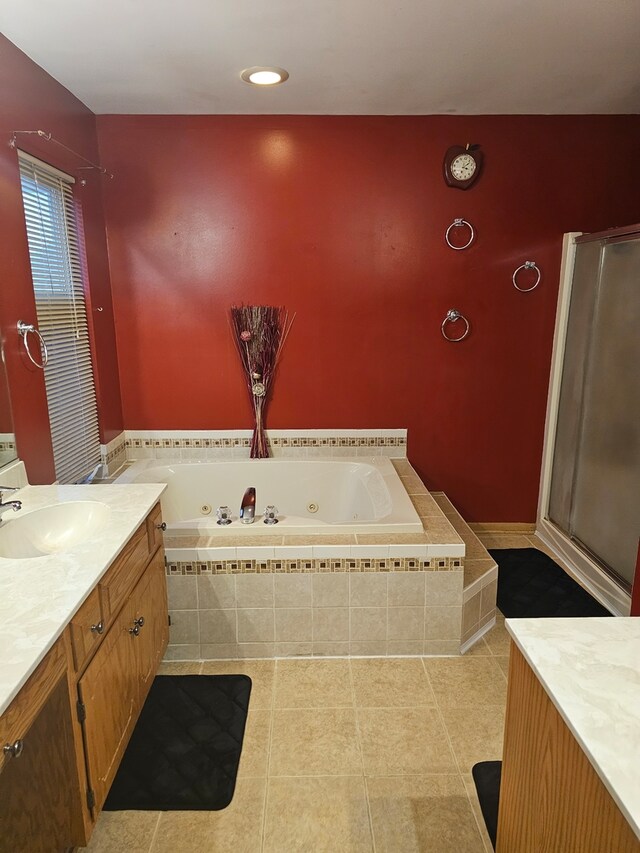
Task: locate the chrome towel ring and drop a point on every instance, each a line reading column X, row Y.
column 23, row 330
column 460, row 223
column 527, row 265
column 452, row 317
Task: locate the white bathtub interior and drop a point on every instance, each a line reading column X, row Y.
column 313, row 497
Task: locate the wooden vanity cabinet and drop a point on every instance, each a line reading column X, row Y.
column 76, row 713
column 123, row 667
column 40, row 786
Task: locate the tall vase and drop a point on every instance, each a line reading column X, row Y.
column 259, row 446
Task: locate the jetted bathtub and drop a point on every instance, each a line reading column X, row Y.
column 313, row 496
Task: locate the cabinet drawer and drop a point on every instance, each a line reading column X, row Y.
column 87, row 629
column 17, row 719
column 154, row 532
column 123, row 575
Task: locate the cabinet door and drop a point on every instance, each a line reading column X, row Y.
column 150, row 604
column 37, row 797
column 109, row 692
column 117, row 680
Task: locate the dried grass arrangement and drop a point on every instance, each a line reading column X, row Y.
column 259, row 332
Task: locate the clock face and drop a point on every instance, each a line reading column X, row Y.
column 463, row 167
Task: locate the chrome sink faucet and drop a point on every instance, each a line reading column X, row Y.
column 14, row 505
column 248, row 507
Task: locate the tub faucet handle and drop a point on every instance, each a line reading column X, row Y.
column 271, row 514
column 224, row 515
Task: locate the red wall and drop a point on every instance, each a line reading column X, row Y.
column 342, row 219
column 31, row 100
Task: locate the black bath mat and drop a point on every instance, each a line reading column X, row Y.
column 185, row 749
column 532, row 585
column 486, row 777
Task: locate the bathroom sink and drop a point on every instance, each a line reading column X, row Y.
column 52, row 529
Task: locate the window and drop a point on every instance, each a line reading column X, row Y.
column 56, row 253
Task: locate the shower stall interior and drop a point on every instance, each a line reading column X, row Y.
column 590, row 497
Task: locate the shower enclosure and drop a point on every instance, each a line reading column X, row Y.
column 590, row 497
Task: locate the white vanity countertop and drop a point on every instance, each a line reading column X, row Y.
column 590, row 668
column 38, row 596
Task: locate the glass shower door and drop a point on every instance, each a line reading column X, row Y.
column 595, row 489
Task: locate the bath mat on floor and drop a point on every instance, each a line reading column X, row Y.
column 486, row 777
column 532, row 585
column 185, row 749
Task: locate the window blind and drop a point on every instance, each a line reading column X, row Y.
column 57, row 272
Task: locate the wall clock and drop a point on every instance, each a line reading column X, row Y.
column 462, row 165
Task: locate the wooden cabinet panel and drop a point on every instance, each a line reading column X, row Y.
column 551, row 798
column 40, row 803
column 123, row 575
column 154, row 531
column 87, row 629
column 117, row 680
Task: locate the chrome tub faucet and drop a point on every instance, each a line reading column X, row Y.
column 248, row 507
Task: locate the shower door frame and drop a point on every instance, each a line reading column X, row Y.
column 577, row 561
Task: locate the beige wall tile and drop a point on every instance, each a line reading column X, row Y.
column 185, row 627
column 471, row 613
column 488, row 598
column 313, row 684
column 426, row 506
column 405, row 623
column 415, row 648
column 256, row 625
column 368, row 590
column 376, row 648
column 292, row 590
column 256, row 650
column 180, row 667
column 217, row 651
column 475, row 570
column 293, row 650
column 316, row 814
column 314, row 742
column 442, row 623
column 422, row 813
column 443, row 588
column 254, row 590
column 403, row 741
column 407, row 588
column 330, row 624
column 293, row 625
column 182, row 593
column 218, row 626
column 190, row 651
column 441, row 647
column 330, row 649
column 439, row 530
column 330, row 590
column 216, row 592
column 368, row 623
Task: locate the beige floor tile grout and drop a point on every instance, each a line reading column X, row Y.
column 265, row 803
column 460, row 774
column 155, row 833
column 361, row 754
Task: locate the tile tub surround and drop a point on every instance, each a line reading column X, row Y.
column 320, row 596
column 192, row 445
column 480, row 578
column 114, row 454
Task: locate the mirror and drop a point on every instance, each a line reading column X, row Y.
column 7, row 435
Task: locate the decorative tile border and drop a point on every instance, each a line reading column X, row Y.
column 155, row 443
column 311, row 566
column 114, row 454
column 7, row 445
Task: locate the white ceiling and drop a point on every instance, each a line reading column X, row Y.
column 344, row 56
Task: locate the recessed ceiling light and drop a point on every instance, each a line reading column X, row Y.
column 265, row 75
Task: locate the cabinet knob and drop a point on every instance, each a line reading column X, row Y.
column 139, row 621
column 99, row 628
column 14, row 750
column 135, row 630
column 162, row 526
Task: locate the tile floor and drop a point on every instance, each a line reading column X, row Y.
column 346, row 755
